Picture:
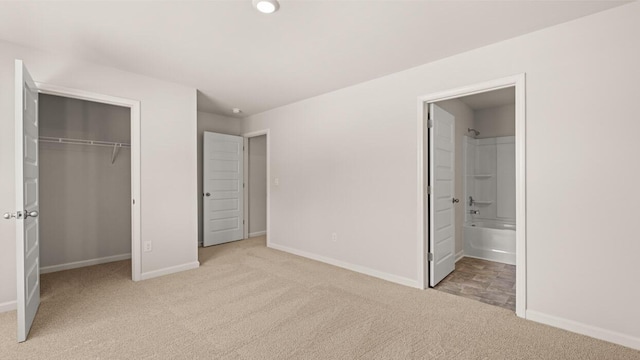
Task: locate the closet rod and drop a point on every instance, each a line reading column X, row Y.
column 82, row 142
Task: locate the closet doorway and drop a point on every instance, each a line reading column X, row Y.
column 27, row 174
column 89, row 182
column 85, row 164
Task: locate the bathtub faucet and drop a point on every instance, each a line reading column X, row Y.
column 474, row 212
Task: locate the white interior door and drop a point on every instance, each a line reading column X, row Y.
column 441, row 205
column 27, row 204
column 222, row 184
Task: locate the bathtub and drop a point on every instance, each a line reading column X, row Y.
column 490, row 240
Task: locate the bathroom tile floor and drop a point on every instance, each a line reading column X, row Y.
column 486, row 281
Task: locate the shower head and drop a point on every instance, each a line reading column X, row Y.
column 474, row 131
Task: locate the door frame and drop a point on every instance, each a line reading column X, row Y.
column 134, row 106
column 518, row 82
column 246, row 137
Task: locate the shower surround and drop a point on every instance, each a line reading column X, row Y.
column 490, row 199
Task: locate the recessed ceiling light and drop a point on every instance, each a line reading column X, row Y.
column 266, row 6
column 236, row 110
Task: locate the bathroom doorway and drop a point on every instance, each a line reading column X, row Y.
column 473, row 181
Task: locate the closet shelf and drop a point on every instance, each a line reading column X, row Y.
column 81, row 142
column 115, row 145
column 482, row 176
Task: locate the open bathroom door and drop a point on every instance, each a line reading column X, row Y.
column 441, row 199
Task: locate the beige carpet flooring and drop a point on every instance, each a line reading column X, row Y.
column 250, row 302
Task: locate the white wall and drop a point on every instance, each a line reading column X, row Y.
column 214, row 123
column 168, row 159
column 85, row 210
column 464, row 120
column 347, row 163
column 219, row 124
column 257, row 184
column 496, row 121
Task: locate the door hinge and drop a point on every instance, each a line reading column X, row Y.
column 428, row 190
column 243, row 185
column 242, row 222
column 429, row 123
column 430, row 256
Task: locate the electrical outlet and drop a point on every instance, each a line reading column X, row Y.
column 334, row 237
column 147, row 246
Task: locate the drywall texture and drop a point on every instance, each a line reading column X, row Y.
column 464, row 120
column 213, row 123
column 347, row 162
column 168, row 155
column 85, row 209
column 257, row 184
column 496, row 121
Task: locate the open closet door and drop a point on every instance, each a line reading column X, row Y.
column 27, row 203
column 441, row 199
column 222, row 184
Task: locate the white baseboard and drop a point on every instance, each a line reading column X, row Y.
column 459, row 255
column 8, row 306
column 169, row 270
column 345, row 265
column 257, row 233
column 83, row 263
column 584, row 329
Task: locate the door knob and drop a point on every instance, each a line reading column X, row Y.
column 207, row 194
column 30, row 213
column 16, row 215
column 454, row 200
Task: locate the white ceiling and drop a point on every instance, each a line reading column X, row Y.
column 490, row 99
column 238, row 57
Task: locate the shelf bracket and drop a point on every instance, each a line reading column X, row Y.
column 114, row 153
